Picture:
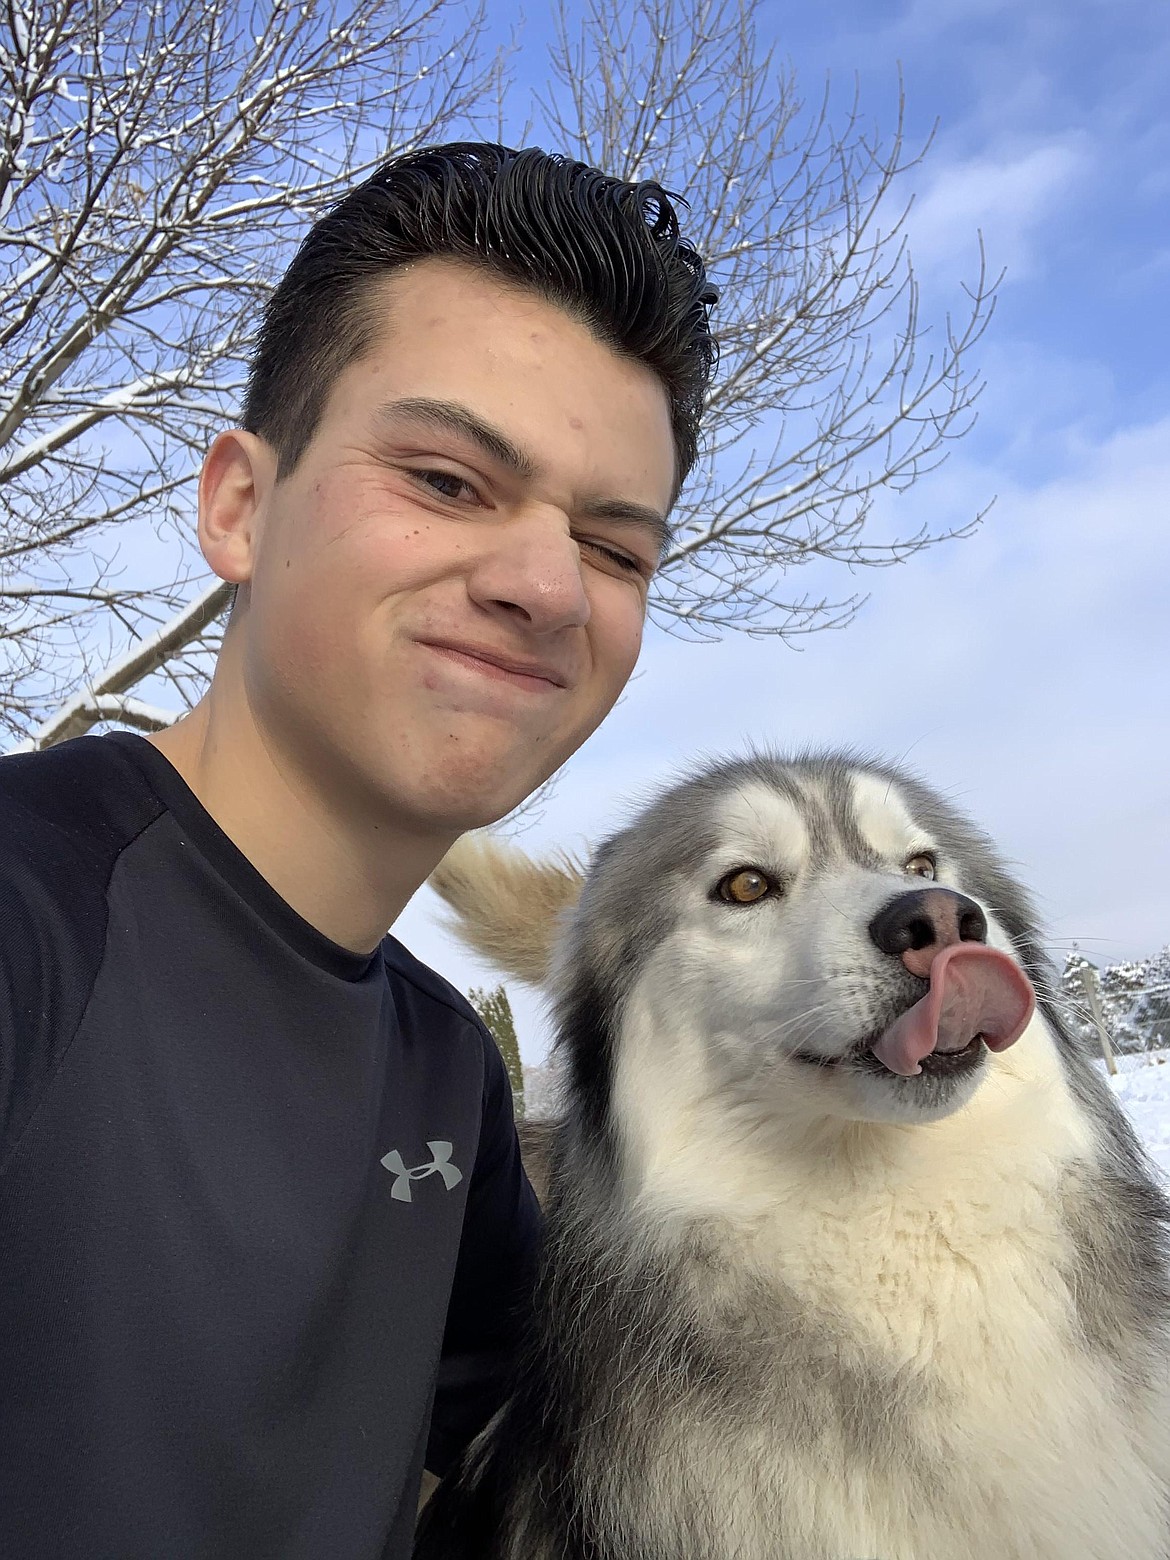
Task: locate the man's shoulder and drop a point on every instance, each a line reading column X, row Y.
column 411, row 974
column 66, row 814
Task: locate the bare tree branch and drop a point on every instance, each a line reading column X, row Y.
column 97, row 699
column 824, row 356
column 144, row 147
column 158, row 162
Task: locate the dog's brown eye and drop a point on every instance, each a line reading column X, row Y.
column 744, row 887
column 921, row 866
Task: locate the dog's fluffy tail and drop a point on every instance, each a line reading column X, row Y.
column 507, row 907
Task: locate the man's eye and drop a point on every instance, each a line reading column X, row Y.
column 624, row 561
column 445, row 483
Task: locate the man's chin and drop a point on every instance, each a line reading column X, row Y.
column 458, row 800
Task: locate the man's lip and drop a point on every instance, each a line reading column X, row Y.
column 505, row 663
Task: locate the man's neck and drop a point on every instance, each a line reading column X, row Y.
column 345, row 871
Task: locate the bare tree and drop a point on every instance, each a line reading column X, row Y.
column 157, row 160
column 828, row 391
column 831, row 390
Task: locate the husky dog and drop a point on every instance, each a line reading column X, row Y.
column 851, row 1255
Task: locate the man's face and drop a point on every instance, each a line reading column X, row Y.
column 447, row 594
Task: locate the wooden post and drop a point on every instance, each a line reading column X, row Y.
column 1093, row 997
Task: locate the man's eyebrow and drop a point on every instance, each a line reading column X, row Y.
column 627, row 513
column 453, row 417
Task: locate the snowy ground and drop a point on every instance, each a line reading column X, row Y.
column 1142, row 1087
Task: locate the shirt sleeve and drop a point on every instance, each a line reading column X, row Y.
column 52, row 927
column 495, row 1275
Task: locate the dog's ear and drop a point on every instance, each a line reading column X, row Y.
column 507, row 907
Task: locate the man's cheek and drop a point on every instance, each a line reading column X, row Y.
column 628, row 636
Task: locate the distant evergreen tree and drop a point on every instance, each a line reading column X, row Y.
column 1073, row 999
column 1134, row 996
column 1151, row 1010
column 496, row 1011
column 1121, row 989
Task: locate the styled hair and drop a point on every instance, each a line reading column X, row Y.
column 608, row 252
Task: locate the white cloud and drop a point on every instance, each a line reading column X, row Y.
column 1023, row 672
column 1009, row 198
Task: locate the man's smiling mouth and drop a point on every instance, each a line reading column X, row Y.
column 534, row 675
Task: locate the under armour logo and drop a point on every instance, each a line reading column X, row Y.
column 439, row 1165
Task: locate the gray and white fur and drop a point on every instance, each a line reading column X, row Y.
column 796, row 1306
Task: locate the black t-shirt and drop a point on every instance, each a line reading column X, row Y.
column 257, row 1194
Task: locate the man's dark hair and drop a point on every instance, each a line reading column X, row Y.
column 608, row 252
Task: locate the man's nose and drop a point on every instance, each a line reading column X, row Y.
column 533, row 570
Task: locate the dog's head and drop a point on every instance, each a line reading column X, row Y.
column 824, row 925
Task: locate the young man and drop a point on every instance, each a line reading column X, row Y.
column 259, row 1184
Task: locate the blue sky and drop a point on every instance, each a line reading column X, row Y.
column 1023, row 671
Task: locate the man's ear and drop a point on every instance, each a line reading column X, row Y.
column 239, row 473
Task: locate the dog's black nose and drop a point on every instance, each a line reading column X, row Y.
column 916, row 926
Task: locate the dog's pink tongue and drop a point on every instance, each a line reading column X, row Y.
column 973, row 991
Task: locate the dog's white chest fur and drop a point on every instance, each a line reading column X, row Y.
column 958, row 1415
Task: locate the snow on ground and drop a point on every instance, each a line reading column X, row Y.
column 1142, row 1089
